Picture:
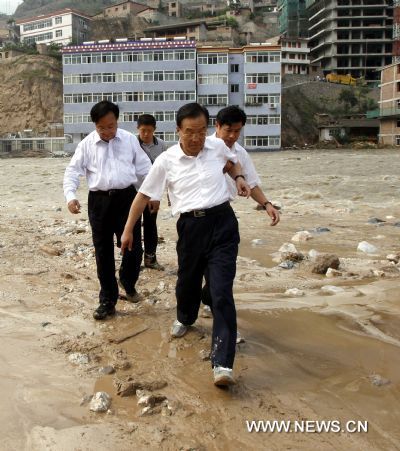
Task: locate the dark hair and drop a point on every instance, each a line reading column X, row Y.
column 191, row 110
column 102, row 108
column 231, row 115
column 146, row 119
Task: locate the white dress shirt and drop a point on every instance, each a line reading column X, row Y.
column 114, row 165
column 193, row 183
column 248, row 169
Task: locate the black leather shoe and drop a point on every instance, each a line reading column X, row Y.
column 103, row 310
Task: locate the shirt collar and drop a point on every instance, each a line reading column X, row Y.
column 155, row 141
column 181, row 154
column 97, row 138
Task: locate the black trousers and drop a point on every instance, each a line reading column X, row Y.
column 150, row 235
column 209, row 245
column 108, row 212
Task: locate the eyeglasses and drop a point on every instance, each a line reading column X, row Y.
column 193, row 135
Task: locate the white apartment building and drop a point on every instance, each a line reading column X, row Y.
column 61, row 27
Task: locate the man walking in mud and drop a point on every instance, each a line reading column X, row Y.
column 114, row 165
column 208, row 235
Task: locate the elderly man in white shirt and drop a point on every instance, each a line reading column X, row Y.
column 114, row 165
column 208, row 236
column 228, row 125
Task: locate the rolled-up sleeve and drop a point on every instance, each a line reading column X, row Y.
column 74, row 170
column 228, row 155
column 156, row 180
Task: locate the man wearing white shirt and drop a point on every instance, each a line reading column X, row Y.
column 114, row 165
column 208, row 236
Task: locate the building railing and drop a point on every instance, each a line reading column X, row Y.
column 383, row 112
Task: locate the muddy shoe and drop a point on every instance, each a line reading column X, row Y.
column 150, row 261
column 133, row 296
column 223, row 376
column 178, row 329
column 103, row 310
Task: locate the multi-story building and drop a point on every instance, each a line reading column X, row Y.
column 60, row 27
column 389, row 106
column 295, row 56
column 292, row 18
column 175, row 8
column 158, row 77
column 351, row 36
column 124, row 9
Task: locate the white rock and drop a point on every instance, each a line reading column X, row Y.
column 313, row 254
column 100, row 402
column 378, row 273
column 257, row 242
column 144, row 400
column 393, row 258
column 288, row 248
column 333, row 273
column 332, row 289
column 302, row 236
column 78, row 358
column 366, row 247
column 294, row 292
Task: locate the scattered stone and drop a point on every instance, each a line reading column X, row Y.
column 294, row 292
column 375, row 221
column 86, row 400
column 129, row 387
column 257, row 242
column 105, row 370
column 319, row 230
column 366, row 247
column 378, row 273
column 51, row 250
column 100, row 402
column 151, row 400
column 302, row 236
column 332, row 289
column 396, row 224
column 393, row 257
column 239, row 338
column 78, row 358
column 204, row 355
column 313, row 254
column 45, row 323
column 333, row 273
column 288, row 251
column 286, row 264
column 378, row 380
column 324, row 261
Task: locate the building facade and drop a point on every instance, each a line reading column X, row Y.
column 351, row 36
column 292, row 18
column 60, row 27
column 295, row 56
column 389, row 106
column 158, row 77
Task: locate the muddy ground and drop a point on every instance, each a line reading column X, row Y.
column 315, row 356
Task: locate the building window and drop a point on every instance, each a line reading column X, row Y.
column 235, row 88
column 212, row 58
column 398, row 86
column 235, row 67
column 398, row 123
column 58, row 33
column 397, row 140
column 398, row 68
column 58, row 20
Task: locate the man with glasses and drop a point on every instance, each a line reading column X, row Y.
column 114, row 165
column 208, row 235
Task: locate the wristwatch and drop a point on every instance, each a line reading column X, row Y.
column 240, row 175
column 266, row 203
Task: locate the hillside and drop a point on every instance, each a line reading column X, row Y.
column 30, row 8
column 30, row 93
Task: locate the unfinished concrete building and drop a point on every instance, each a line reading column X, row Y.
column 351, row 36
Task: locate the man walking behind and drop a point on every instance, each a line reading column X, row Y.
column 114, row 165
column 208, row 236
column 146, row 125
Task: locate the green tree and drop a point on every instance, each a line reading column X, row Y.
column 348, row 97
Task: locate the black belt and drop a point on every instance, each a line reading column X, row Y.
column 207, row 211
column 113, row 192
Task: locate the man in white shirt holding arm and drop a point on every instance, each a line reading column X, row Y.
column 228, row 126
column 208, row 235
column 114, row 165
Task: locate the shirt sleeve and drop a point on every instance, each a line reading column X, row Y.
column 75, row 169
column 156, row 180
column 141, row 161
column 228, row 155
column 249, row 171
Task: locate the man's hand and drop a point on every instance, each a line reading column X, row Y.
column 273, row 213
column 154, row 206
column 126, row 241
column 74, row 206
column 242, row 187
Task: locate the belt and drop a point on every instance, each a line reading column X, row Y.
column 207, row 211
column 113, row 192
